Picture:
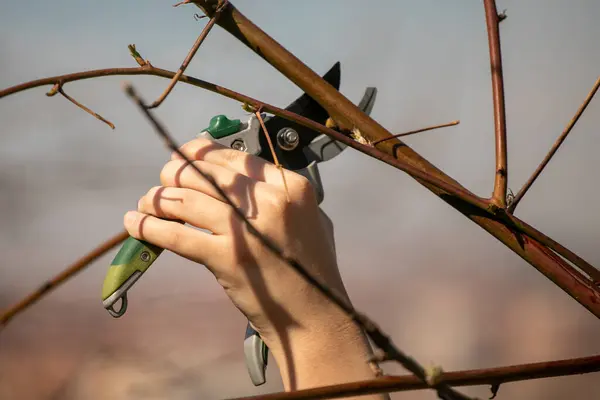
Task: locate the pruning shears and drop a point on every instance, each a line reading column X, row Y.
column 297, row 148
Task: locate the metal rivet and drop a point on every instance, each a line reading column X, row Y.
column 145, row 256
column 238, row 144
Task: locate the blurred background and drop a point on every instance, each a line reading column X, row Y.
column 447, row 292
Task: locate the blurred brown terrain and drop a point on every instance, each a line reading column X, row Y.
column 446, row 291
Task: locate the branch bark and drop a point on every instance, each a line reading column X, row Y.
column 488, row 376
column 501, row 177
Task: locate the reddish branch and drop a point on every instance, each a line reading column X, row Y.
column 190, row 55
column 559, row 141
column 492, row 21
column 72, row 270
column 58, row 88
column 488, row 376
column 429, row 128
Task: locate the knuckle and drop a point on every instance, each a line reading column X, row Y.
column 278, row 203
column 230, row 155
column 301, row 189
column 173, row 238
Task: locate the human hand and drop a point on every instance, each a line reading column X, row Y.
column 299, row 325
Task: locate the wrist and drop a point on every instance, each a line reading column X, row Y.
column 327, row 352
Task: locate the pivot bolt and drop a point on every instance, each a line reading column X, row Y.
column 238, row 144
column 288, row 139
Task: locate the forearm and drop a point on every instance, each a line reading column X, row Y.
column 331, row 354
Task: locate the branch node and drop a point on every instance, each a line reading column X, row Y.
column 433, row 375
column 494, row 389
column 510, row 198
column 251, row 108
column 358, row 136
column 54, row 89
column 502, row 16
column 137, row 56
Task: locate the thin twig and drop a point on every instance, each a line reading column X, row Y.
column 58, row 88
column 488, row 376
column 555, row 147
column 429, row 128
column 277, row 164
column 190, row 55
column 182, row 2
column 71, row 271
column 501, row 176
column 533, row 251
column 378, row 337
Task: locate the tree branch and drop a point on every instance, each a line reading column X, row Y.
column 554, row 149
column 487, row 376
column 500, row 181
column 58, row 88
column 71, row 271
column 429, row 128
column 190, row 55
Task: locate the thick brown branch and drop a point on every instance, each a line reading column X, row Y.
column 429, row 128
column 349, row 117
column 378, row 337
column 71, row 271
column 464, row 201
column 554, row 149
column 488, row 376
column 500, row 182
column 190, row 55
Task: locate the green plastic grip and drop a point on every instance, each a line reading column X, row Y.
column 135, row 255
column 221, row 126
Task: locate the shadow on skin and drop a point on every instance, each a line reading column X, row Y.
column 243, row 195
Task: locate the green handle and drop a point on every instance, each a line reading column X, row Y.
column 135, row 255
